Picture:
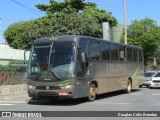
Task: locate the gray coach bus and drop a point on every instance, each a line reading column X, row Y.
column 76, row 66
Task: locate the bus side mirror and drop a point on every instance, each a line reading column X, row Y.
column 25, row 52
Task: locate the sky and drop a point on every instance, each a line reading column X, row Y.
column 12, row 12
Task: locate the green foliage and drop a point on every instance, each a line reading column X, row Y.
column 68, row 6
column 144, row 33
column 17, row 35
column 71, row 17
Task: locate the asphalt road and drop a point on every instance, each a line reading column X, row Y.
column 140, row 99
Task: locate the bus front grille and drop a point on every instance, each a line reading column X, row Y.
column 50, row 87
column 47, row 94
column 156, row 81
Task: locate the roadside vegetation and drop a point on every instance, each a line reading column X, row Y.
column 77, row 17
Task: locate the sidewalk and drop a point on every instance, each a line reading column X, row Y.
column 20, row 97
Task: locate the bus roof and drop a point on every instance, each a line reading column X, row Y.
column 76, row 38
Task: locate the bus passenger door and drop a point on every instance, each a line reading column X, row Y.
column 81, row 83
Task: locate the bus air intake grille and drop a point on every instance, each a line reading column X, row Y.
column 47, row 94
column 50, row 87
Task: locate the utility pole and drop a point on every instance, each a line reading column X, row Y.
column 125, row 24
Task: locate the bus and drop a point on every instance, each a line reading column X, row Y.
column 76, row 66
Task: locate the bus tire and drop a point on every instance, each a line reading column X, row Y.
column 129, row 86
column 92, row 92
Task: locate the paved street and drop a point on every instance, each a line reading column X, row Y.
column 141, row 99
column 138, row 99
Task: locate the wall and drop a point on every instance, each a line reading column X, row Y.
column 8, row 54
column 117, row 31
column 11, row 75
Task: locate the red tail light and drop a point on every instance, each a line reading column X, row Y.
column 62, row 93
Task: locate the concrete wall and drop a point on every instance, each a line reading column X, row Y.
column 117, row 31
column 13, row 89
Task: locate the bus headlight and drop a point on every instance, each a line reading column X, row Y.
column 31, row 87
column 66, row 87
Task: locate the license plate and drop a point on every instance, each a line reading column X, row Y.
column 157, row 84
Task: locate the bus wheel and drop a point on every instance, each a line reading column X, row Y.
column 129, row 86
column 92, row 92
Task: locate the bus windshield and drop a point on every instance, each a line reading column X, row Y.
column 52, row 60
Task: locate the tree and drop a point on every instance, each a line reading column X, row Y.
column 71, row 17
column 17, row 35
column 144, row 33
column 68, row 6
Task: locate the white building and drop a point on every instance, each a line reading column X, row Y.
column 7, row 54
column 4, row 46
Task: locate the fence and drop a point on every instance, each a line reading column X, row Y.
column 14, row 74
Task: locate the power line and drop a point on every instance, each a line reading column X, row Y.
column 28, row 8
column 146, row 8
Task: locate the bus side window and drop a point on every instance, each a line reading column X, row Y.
column 105, row 53
column 129, row 54
column 140, row 55
column 95, row 50
column 122, row 53
column 114, row 51
column 82, row 57
column 135, row 56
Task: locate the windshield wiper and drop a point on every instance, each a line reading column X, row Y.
column 54, row 73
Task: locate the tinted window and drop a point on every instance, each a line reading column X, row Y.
column 149, row 74
column 129, row 54
column 157, row 74
column 122, row 53
column 140, row 56
column 84, row 46
column 94, row 50
column 40, row 57
column 135, row 56
column 62, row 53
column 105, row 53
column 114, row 51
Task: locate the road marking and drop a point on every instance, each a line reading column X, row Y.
column 12, row 101
column 155, row 94
column 112, row 103
column 9, row 103
column 136, row 94
column 121, row 103
column 6, row 104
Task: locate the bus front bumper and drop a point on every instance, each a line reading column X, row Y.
column 50, row 94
